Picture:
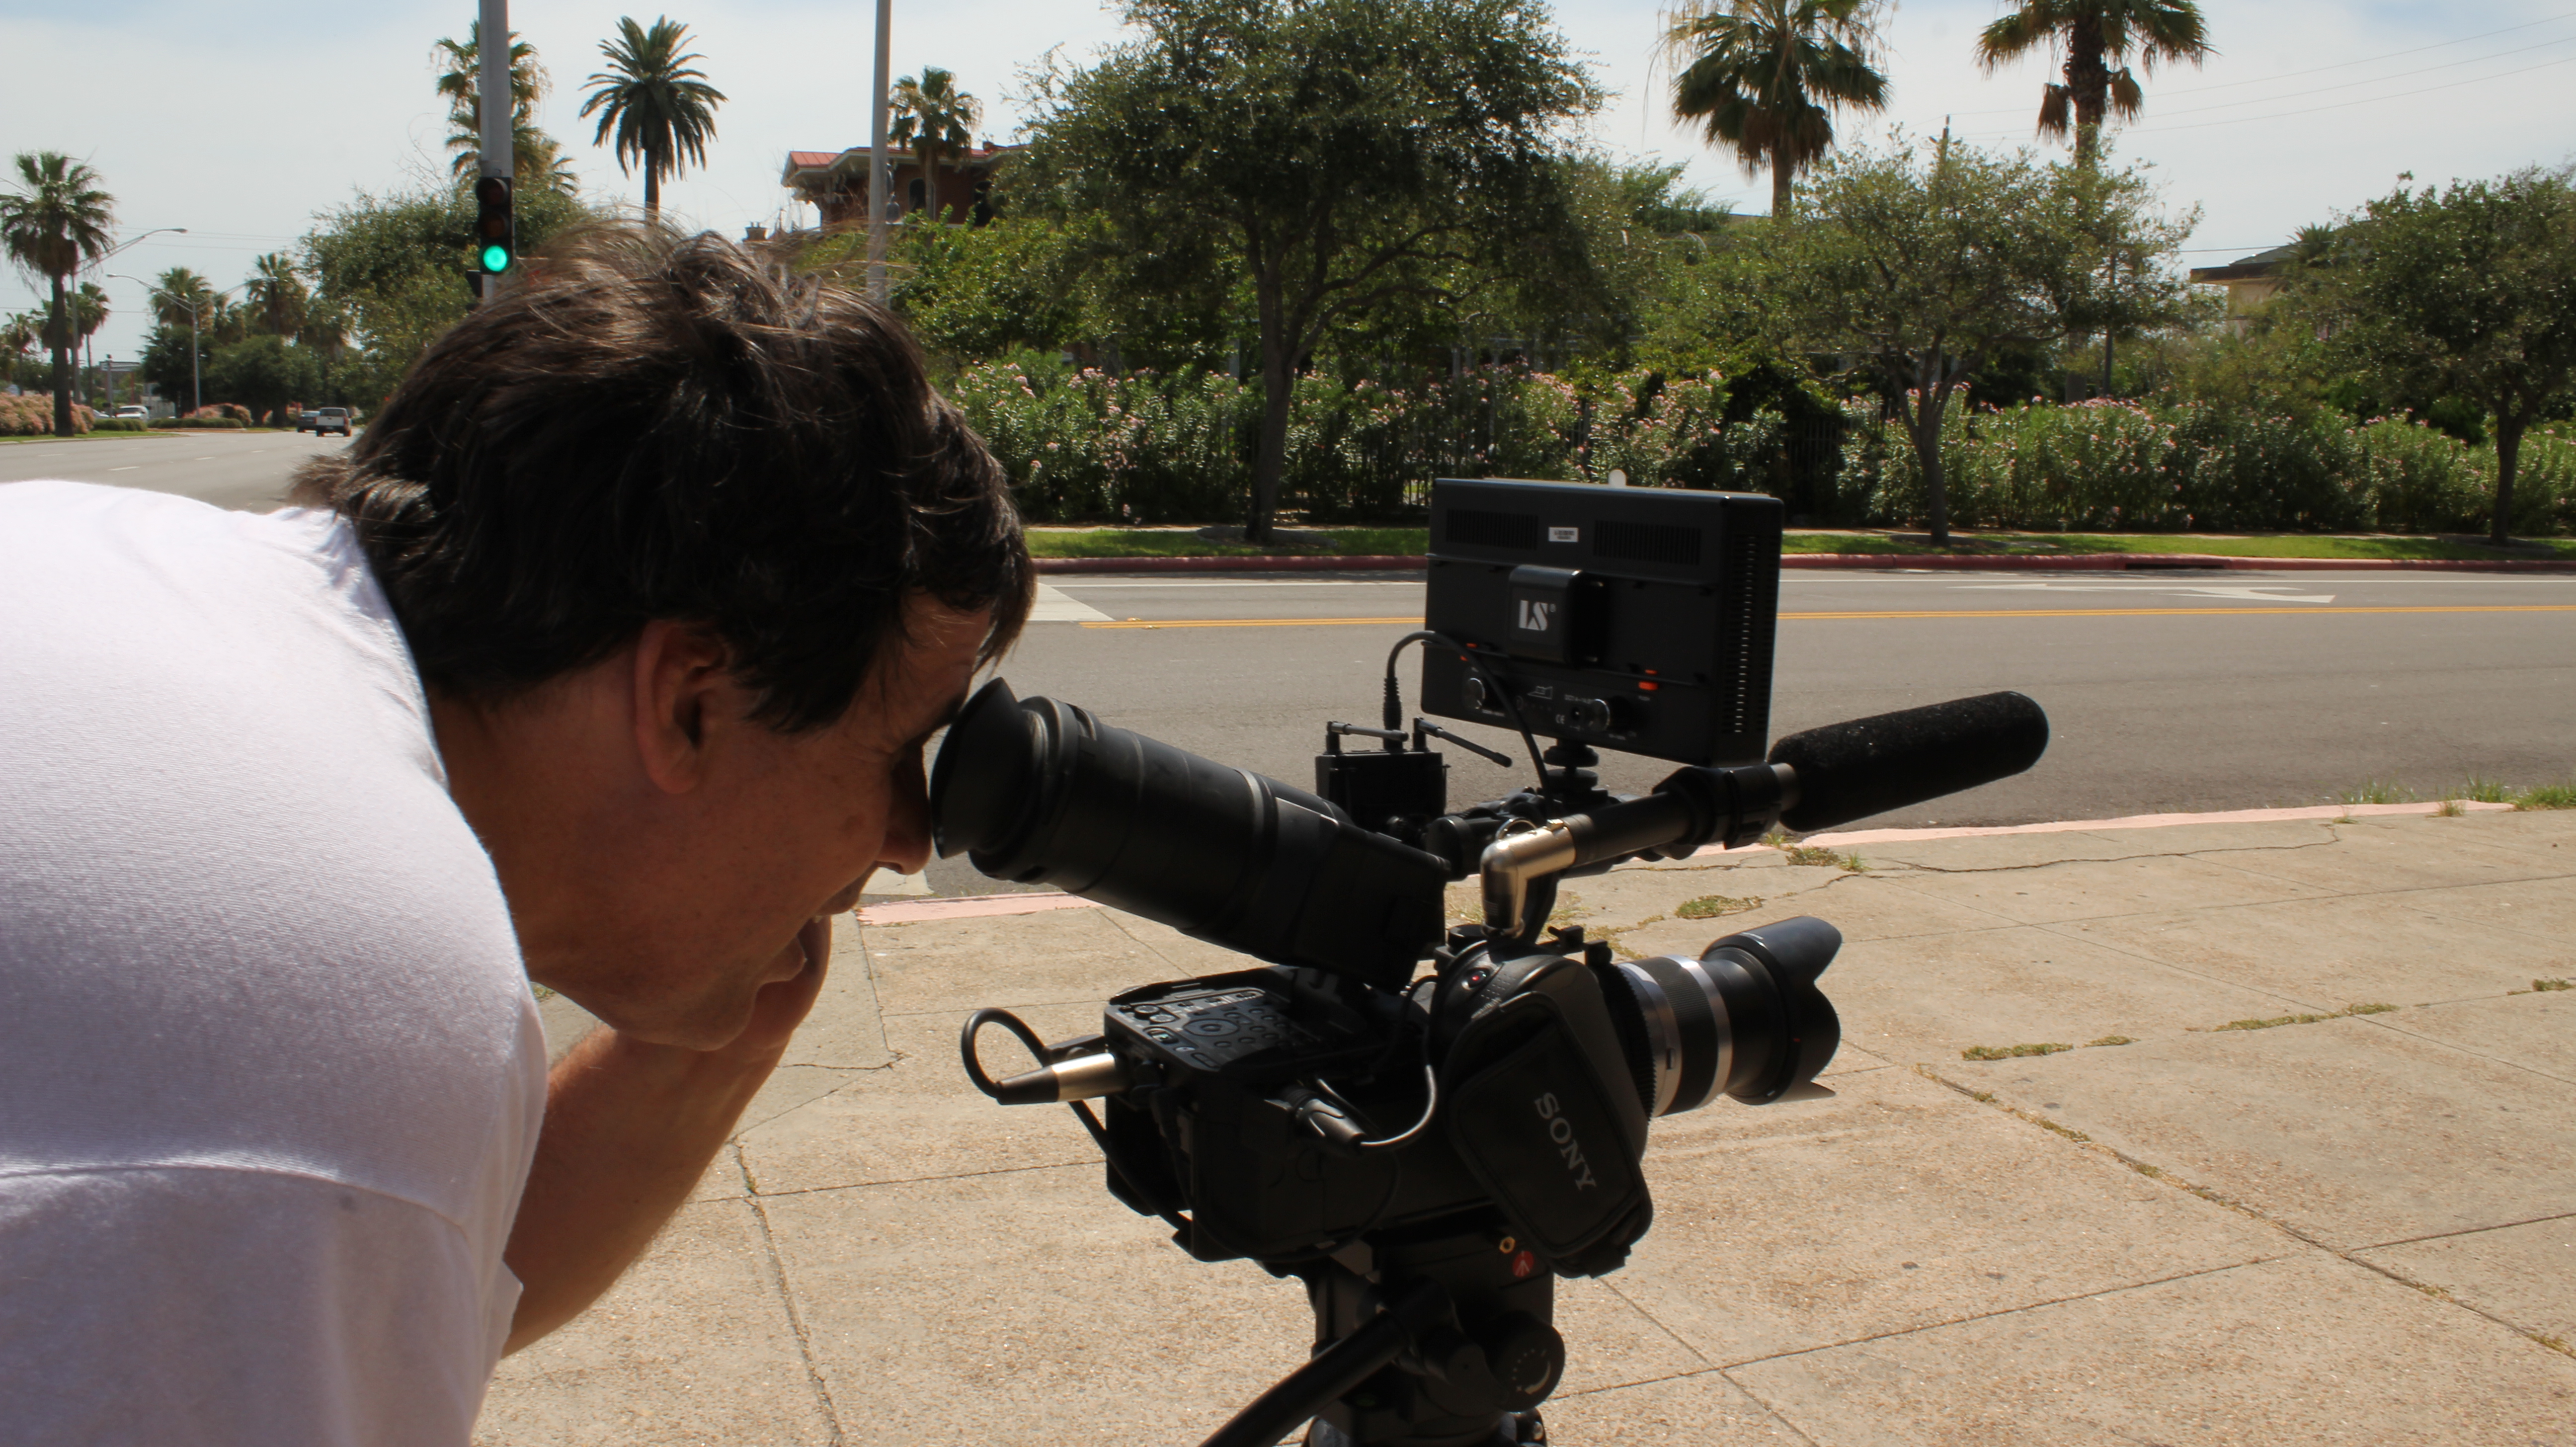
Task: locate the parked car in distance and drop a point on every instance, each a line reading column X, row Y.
column 136, row 413
column 305, row 420
column 330, row 419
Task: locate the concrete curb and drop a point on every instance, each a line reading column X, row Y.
column 1964, row 562
column 991, row 906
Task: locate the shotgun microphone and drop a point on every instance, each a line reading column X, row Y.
column 1868, row 766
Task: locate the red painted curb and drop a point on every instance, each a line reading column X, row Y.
column 1965, row 562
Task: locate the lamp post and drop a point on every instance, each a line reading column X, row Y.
column 196, row 382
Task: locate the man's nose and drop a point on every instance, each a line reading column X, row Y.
column 907, row 837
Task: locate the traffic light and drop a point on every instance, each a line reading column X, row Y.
column 495, row 234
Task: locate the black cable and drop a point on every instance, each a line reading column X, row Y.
column 1511, row 702
column 1081, row 1112
column 1336, row 1370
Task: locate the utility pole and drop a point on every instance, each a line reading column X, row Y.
column 880, row 168
column 500, row 111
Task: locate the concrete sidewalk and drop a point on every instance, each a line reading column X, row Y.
column 2359, row 1228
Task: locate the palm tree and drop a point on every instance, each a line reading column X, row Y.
column 537, row 158
column 935, row 118
column 89, row 313
column 276, row 295
column 52, row 223
column 175, row 291
column 659, row 107
column 1766, row 76
column 2095, row 35
column 17, row 334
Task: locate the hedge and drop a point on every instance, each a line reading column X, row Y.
column 31, row 414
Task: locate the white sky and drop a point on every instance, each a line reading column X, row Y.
column 240, row 121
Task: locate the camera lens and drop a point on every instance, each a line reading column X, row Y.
column 1040, row 792
column 1744, row 1019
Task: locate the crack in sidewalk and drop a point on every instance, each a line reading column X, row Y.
column 2220, row 1198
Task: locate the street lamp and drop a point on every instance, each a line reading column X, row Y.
column 129, row 241
column 196, row 383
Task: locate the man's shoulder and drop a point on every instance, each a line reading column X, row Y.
column 243, row 920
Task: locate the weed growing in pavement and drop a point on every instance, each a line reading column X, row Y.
column 2450, row 809
column 2112, row 1040
column 2377, row 791
column 2279, row 1020
column 2547, row 796
column 2484, row 791
column 2544, row 986
column 1711, row 906
column 2009, row 1052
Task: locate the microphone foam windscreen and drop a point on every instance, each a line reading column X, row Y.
column 1868, row 766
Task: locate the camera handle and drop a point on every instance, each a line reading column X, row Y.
column 1691, row 807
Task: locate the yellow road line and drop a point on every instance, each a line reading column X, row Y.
column 2322, row 608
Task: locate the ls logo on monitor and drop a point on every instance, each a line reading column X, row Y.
column 1536, row 616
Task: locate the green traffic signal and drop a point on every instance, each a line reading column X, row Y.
column 496, row 259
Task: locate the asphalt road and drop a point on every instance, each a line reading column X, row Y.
column 2168, row 691
column 245, row 470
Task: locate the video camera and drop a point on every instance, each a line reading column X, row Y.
column 1428, row 1151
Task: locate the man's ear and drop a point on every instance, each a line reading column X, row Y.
column 683, row 688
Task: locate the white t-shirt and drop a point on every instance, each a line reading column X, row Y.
column 270, row 1072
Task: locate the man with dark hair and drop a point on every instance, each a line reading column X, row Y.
column 604, row 658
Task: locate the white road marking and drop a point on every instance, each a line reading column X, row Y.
column 129, row 467
column 1054, row 607
column 2259, row 593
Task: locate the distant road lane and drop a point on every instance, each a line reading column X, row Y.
column 249, row 471
column 2166, row 692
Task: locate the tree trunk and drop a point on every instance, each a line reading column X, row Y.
column 2508, row 453
column 652, row 188
column 1924, row 427
column 1270, row 463
column 2088, row 84
column 1783, row 172
column 58, row 330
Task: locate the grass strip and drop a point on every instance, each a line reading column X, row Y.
column 2280, row 1020
column 2010, row 1052
column 1169, row 543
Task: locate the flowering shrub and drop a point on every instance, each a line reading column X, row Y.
column 31, row 414
column 2130, row 467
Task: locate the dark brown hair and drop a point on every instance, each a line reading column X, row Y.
column 656, row 426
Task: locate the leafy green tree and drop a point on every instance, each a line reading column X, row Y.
column 263, row 373
column 276, row 296
column 988, row 291
column 936, row 119
column 537, row 161
column 389, row 270
column 1766, row 76
column 1341, row 153
column 53, row 221
column 658, row 106
column 1926, row 273
column 2094, row 36
column 2469, row 292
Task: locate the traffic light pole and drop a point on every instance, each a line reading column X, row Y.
column 495, row 144
column 880, row 167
